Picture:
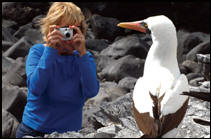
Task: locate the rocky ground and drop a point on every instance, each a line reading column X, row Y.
column 119, row 55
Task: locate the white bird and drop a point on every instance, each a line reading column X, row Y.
column 158, row 105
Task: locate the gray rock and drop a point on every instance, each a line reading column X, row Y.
column 11, row 26
column 189, row 129
column 7, row 36
column 129, row 123
column 6, row 45
column 130, row 45
column 102, row 62
column 128, row 83
column 109, row 91
column 192, row 66
column 202, row 48
column 183, row 69
column 191, row 76
column 34, row 36
column 199, row 89
column 104, row 27
column 128, row 133
column 22, row 29
column 181, row 37
column 18, row 11
column 36, row 21
column 69, row 134
column 203, row 58
column 98, row 135
column 9, row 125
column 204, row 62
column 126, row 66
column 195, row 81
column 16, row 74
column 111, row 130
column 113, row 111
column 19, row 49
column 192, row 40
column 188, row 41
column 14, row 101
column 6, row 64
column 97, row 44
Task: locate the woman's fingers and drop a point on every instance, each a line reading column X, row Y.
column 77, row 29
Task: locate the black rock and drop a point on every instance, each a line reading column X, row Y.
column 11, row 26
column 97, row 44
column 22, row 29
column 128, row 83
column 16, row 74
column 36, row 21
column 105, row 27
column 14, row 101
column 18, row 11
column 7, row 36
column 202, row 48
column 191, row 76
column 102, row 61
column 181, row 37
column 6, row 45
column 126, row 66
column 6, row 64
column 9, row 125
column 192, row 40
column 19, row 49
column 192, row 66
column 204, row 62
column 131, row 44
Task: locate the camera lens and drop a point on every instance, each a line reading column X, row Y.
column 67, row 35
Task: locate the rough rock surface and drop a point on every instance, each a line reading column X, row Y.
column 119, row 56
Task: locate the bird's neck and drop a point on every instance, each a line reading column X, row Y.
column 164, row 48
column 162, row 54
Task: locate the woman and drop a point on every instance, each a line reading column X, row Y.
column 61, row 75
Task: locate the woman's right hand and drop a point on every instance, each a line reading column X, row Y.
column 54, row 37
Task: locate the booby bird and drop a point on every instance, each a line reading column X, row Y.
column 158, row 105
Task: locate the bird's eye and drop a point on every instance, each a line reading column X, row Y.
column 144, row 24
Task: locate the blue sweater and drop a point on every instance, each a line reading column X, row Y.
column 57, row 89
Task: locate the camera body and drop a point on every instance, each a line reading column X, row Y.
column 67, row 33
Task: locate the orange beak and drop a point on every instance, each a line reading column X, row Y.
column 133, row 25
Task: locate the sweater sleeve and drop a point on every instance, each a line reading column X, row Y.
column 89, row 82
column 38, row 66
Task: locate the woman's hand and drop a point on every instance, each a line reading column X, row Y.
column 54, row 38
column 78, row 41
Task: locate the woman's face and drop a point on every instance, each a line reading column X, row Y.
column 67, row 48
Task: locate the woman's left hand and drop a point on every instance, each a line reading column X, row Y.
column 78, row 41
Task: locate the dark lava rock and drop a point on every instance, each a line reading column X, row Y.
column 9, row 125
column 16, row 74
column 105, row 27
column 7, row 36
column 14, row 101
column 202, row 48
column 6, row 64
column 102, row 61
column 128, row 83
column 126, row 66
column 131, row 44
column 192, row 66
column 204, row 62
column 19, row 49
column 97, row 44
column 18, row 11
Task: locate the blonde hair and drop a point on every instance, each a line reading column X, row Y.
column 60, row 11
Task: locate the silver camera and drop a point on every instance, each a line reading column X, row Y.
column 67, row 33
